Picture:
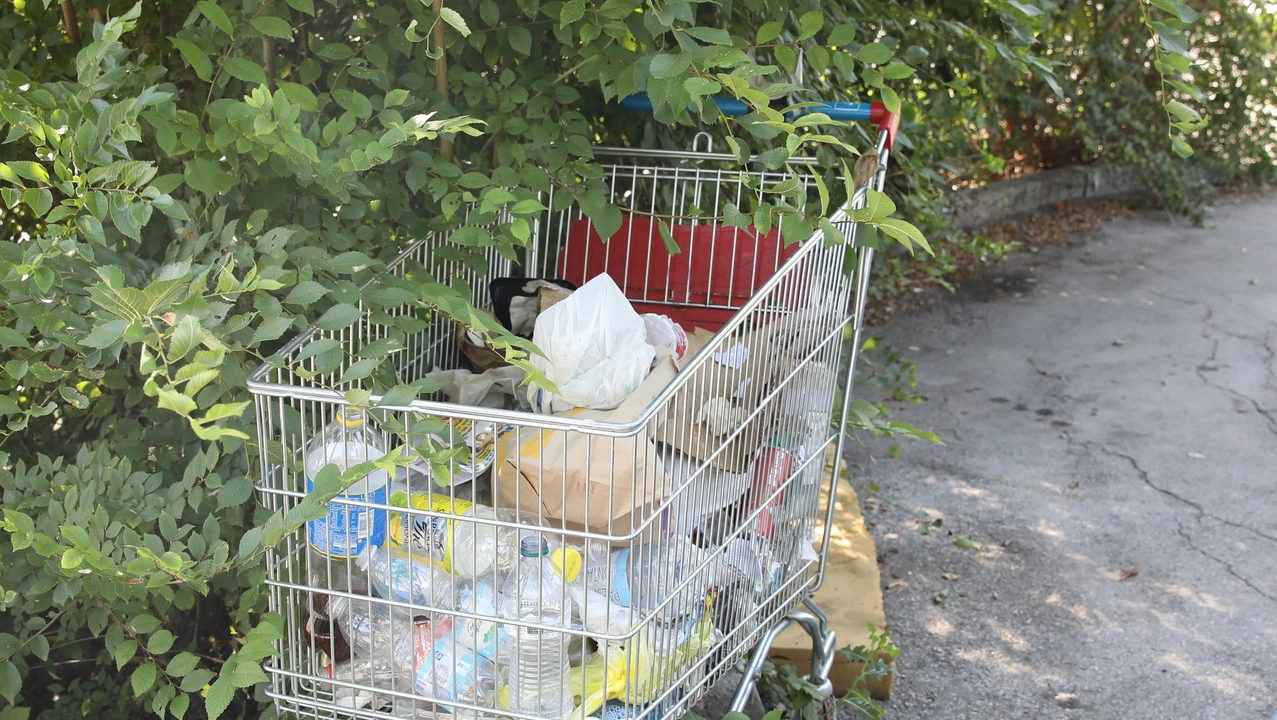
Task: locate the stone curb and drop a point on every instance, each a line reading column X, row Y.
column 976, row 207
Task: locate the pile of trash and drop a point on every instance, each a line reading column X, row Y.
column 529, row 604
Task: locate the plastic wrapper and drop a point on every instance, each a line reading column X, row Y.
column 596, row 349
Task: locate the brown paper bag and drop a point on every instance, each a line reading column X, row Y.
column 483, row 357
column 588, row 482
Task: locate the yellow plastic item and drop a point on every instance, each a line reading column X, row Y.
column 568, row 562
column 633, row 672
column 434, row 502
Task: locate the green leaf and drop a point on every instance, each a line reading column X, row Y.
column 176, row 401
column 204, row 175
column 453, row 18
column 306, row 6
column 905, row 233
column 187, row 335
column 1026, row 8
column 395, row 97
column 1179, row 110
column 181, row 664
column 1181, row 148
column 247, row 674
column 299, row 95
column 124, row 652
column 896, row 71
column 786, row 57
column 833, row 235
column 713, row 36
column 874, row 54
column 104, row 335
column 196, row 680
column 245, row 70
column 12, row 338
column 306, row 293
column 359, row 370
column 10, row 681
column 671, row 247
column 160, row 642
column 521, row 40
column 182, row 703
column 339, row 316
column 768, row 32
column 30, row 170
column 219, row 697
column 811, row 23
column 399, row 396
column 39, row 199
column 72, row 558
column 217, row 16
column 273, row 26
column 841, row 35
column 668, row 64
column 795, row 228
column 605, row 216
column 1172, row 40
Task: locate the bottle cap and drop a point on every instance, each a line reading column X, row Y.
column 533, row 546
column 352, row 416
column 568, row 562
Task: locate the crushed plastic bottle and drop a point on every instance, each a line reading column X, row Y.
column 448, row 671
column 386, row 636
column 643, row 576
column 402, row 576
column 471, row 549
column 538, row 669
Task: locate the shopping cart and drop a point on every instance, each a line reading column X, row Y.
column 662, row 545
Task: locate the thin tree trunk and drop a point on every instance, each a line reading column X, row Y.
column 72, row 25
column 441, row 73
column 268, row 61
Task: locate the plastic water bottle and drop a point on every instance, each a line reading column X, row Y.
column 399, row 575
column 642, row 576
column 538, row 669
column 468, row 548
column 485, row 637
column 385, row 636
column 450, row 671
column 347, row 529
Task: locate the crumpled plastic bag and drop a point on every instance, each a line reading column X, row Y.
column 596, row 349
column 635, row 672
column 486, row 389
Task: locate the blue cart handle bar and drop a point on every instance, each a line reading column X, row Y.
column 857, row 112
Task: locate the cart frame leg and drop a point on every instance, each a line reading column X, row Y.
column 823, row 646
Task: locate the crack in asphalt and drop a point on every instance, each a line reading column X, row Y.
column 1188, row 538
column 1201, row 512
column 1208, row 322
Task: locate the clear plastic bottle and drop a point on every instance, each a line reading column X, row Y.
column 470, row 549
column 642, row 576
column 538, row 671
column 450, row 671
column 347, row 528
column 485, row 637
column 385, row 636
column 397, row 574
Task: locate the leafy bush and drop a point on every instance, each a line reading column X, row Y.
column 195, row 184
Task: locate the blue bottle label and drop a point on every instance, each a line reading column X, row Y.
column 348, row 529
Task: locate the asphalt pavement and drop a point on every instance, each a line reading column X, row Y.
column 1109, row 414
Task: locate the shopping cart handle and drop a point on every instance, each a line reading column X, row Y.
column 876, row 112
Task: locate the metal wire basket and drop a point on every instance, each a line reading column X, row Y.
column 714, row 522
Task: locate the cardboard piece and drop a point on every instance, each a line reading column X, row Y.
column 719, row 401
column 851, row 597
column 593, row 482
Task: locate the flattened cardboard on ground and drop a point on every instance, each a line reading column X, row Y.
column 851, row 597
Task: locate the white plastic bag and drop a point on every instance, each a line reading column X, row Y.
column 596, row 349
